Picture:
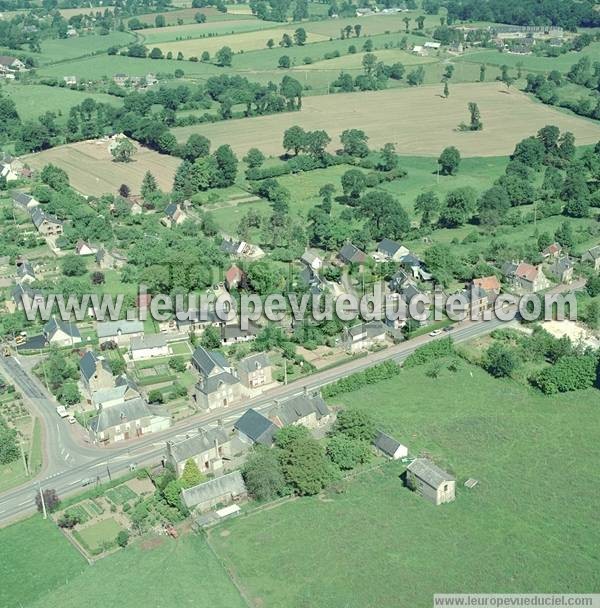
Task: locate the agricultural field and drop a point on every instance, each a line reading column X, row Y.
column 34, row 99
column 92, row 170
column 248, row 41
column 354, row 61
column 509, row 533
column 418, row 121
column 186, row 15
column 71, row 48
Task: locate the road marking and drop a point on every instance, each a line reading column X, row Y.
column 25, row 502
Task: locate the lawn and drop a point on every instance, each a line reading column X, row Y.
column 377, row 544
column 33, row 100
column 60, row 49
column 41, row 560
column 156, row 574
column 95, row 536
column 418, row 120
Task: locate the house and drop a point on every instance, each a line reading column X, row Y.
column 255, row 371
column 365, row 335
column 10, row 65
column 72, row 32
column 196, row 321
column 415, row 265
column 306, row 410
column 431, row 482
column 218, row 386
column 8, row 171
column 562, row 269
column 552, row 251
column 399, row 281
column 456, row 47
column 70, row 81
column 490, row 284
column 433, row 45
column 219, row 491
column 122, row 391
column 241, row 249
column 391, row 250
column 233, row 277
column 147, row 347
column 83, row 248
column 26, row 298
column 127, row 420
column 234, row 334
column 136, row 204
column 61, row 333
column 476, row 300
column 25, row 201
column 350, row 254
column 525, row 277
column 419, row 50
column 312, row 260
column 120, row 332
column 95, row 372
column 389, row 446
column 592, row 256
column 207, row 449
column 46, row 225
column 120, row 79
column 25, row 272
column 309, row 278
column 253, row 428
column 174, row 215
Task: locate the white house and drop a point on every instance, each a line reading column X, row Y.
column 83, row 248
column 147, row 347
column 312, row 260
column 120, row 332
column 389, row 446
column 61, row 333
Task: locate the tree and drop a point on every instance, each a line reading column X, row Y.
column 459, row 207
column 191, row 475
column 69, row 394
column 149, row 185
column 124, row 191
column 347, row 452
column 123, row 151
column 449, row 161
column 284, row 62
column 123, row 538
column 159, row 21
column 286, row 41
column 356, row 424
column 530, row 152
column 564, row 235
column 446, row 89
column 270, row 43
column 416, row 77
column 326, row 193
column 407, row 21
column 353, row 184
column 200, row 18
column 316, row 143
column 369, row 61
column 155, row 396
column 386, row 215
column 73, row 265
column 254, row 158
column 117, row 366
column 156, row 53
column 482, row 72
column 224, row 56
column 300, row 36
column 263, row 475
column 448, row 72
column 494, row 204
column 196, row 146
column 226, row 166
column 50, row 500
column 294, row 139
column 420, row 22
column 354, row 142
column 475, row 117
column 389, row 158
column 211, row 338
column 427, row 204
column 368, row 45
column 68, row 520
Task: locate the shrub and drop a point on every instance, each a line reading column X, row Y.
column 372, row 375
column 429, row 352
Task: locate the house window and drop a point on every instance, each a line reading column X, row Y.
column 445, row 487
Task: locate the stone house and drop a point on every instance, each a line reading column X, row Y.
column 219, row 491
column 95, row 372
column 120, row 332
column 218, row 386
column 207, row 449
column 255, row 371
column 431, row 482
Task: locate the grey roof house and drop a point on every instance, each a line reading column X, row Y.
column 389, row 446
column 221, row 490
column 430, row 481
column 207, row 449
column 253, row 427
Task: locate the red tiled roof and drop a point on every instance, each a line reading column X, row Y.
column 488, row 283
column 526, row 271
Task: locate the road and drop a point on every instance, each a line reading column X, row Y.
column 69, row 462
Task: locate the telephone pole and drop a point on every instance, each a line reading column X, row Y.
column 43, row 501
column 26, row 467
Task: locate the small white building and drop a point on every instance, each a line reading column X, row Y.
column 312, row 260
column 61, row 333
column 120, row 332
column 148, row 347
column 389, row 446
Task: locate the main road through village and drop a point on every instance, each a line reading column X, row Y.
column 68, row 460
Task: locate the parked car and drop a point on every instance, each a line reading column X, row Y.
column 72, row 420
column 435, row 332
column 449, row 328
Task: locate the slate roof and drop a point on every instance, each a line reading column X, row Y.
column 112, row 393
column 230, row 332
column 309, row 257
column 128, row 411
column 87, row 364
column 386, row 444
column 561, row 265
column 352, row 254
column 148, row 341
column 55, row 325
column 25, row 269
column 430, row 473
column 198, row 444
column 231, row 484
column 21, row 198
column 7, row 60
column 229, row 246
column 108, row 329
column 593, row 252
column 171, row 209
column 208, row 361
column 257, row 427
column 474, row 294
column 21, row 290
column 38, row 217
column 299, row 407
column 388, row 247
column 211, row 384
column 372, row 329
column 254, row 362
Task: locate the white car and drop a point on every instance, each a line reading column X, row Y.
column 435, row 332
column 72, row 420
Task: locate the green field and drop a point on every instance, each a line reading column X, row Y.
column 32, row 100
column 70, row 48
column 378, row 544
column 36, row 560
column 97, row 535
column 170, row 574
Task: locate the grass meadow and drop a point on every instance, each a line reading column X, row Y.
column 378, row 544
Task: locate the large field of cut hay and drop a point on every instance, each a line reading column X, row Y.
column 247, row 41
column 419, row 121
column 353, row 61
column 378, row 544
column 92, row 170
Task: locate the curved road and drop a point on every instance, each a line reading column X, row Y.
column 68, row 462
